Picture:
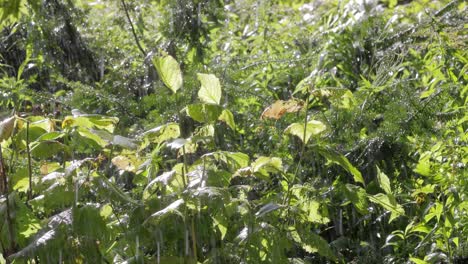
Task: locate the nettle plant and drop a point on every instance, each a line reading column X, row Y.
column 74, row 191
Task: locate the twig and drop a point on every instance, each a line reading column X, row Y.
column 137, row 40
column 29, row 162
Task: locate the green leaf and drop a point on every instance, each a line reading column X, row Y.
column 418, row 261
column 204, row 113
column 270, row 164
column 162, row 133
column 171, row 209
column 169, row 71
column 357, row 196
column 312, row 243
column 91, row 121
column 46, row 149
column 384, row 182
column 228, row 118
column 269, row 207
column 314, row 127
column 341, row 160
column 210, row 91
column 389, row 203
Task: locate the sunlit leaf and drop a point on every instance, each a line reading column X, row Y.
column 227, row 117
column 171, row 209
column 123, row 163
column 267, row 208
column 210, row 91
column 6, row 128
column 384, row 182
column 280, row 107
column 204, row 113
column 162, row 133
column 169, row 71
column 418, row 261
column 91, row 121
column 357, row 196
column 124, row 142
column 341, row 160
column 177, row 143
column 270, row 164
column 389, row 203
column 314, row 127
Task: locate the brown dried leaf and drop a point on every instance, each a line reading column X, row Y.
column 280, row 107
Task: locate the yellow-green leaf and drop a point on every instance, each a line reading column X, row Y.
column 314, row 127
column 210, row 91
column 228, row 118
column 169, row 71
column 6, row 128
column 384, row 182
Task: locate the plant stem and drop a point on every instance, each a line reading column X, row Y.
column 28, row 151
column 5, row 191
column 137, row 40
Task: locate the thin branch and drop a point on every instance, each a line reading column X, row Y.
column 137, row 40
column 29, row 162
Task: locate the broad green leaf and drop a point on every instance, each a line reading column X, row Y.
column 91, row 121
column 177, row 143
column 210, row 91
column 424, row 165
column 357, row 196
column 46, row 149
column 312, row 243
column 384, row 182
column 108, row 190
column 204, row 113
column 6, row 128
column 28, row 223
column 269, row 207
column 312, row 209
column 341, row 160
column 123, row 163
column 228, row 118
column 124, row 142
column 46, row 124
column 418, row 261
column 171, row 209
column 162, row 133
column 87, row 221
column 85, row 133
column 50, row 136
column 314, row 127
column 235, row 160
column 389, row 203
column 270, row 164
column 221, row 223
column 169, row 71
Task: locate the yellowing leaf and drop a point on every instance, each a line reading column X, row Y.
column 6, row 128
column 228, row 118
column 210, row 91
column 314, row 127
column 269, row 164
column 280, row 107
column 169, row 71
column 123, row 163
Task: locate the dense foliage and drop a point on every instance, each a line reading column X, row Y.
column 219, row 131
